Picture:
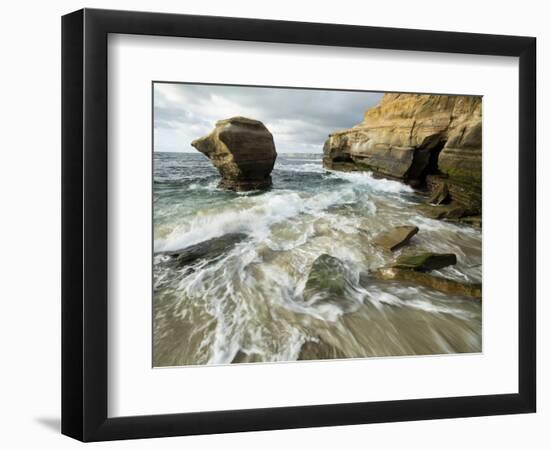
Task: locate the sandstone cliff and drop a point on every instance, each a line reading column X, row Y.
column 242, row 150
column 430, row 140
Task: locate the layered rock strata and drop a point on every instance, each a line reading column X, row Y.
column 243, row 151
column 424, row 140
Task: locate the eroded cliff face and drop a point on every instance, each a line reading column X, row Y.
column 242, row 150
column 430, row 140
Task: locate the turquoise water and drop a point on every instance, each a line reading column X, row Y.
column 246, row 304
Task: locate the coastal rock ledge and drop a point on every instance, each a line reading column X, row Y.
column 423, row 140
column 243, row 151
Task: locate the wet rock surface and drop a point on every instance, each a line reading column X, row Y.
column 452, row 211
column 423, row 262
column 206, row 250
column 319, row 350
column 430, row 281
column 413, row 269
column 326, row 280
column 395, row 238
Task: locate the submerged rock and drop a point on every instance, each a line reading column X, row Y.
column 396, row 238
column 423, row 262
column 319, row 350
column 326, row 280
column 243, row 357
column 409, row 136
column 242, row 150
column 430, row 281
column 206, row 250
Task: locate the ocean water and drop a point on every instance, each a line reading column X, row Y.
column 246, row 304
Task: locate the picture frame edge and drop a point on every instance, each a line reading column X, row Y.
column 85, row 239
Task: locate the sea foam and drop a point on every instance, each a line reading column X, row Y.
column 251, row 215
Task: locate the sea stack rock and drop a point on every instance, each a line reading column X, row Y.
column 420, row 139
column 242, row 150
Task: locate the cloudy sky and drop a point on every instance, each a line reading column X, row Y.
column 299, row 119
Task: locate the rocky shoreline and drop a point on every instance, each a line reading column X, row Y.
column 431, row 142
column 327, row 277
column 328, row 280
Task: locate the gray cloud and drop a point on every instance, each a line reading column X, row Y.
column 300, row 119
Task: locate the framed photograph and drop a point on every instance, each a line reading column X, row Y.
column 273, row 224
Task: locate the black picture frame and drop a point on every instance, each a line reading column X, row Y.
column 84, row 224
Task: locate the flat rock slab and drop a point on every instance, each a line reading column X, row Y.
column 396, row 238
column 430, row 281
column 206, row 250
column 450, row 211
column 423, row 262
